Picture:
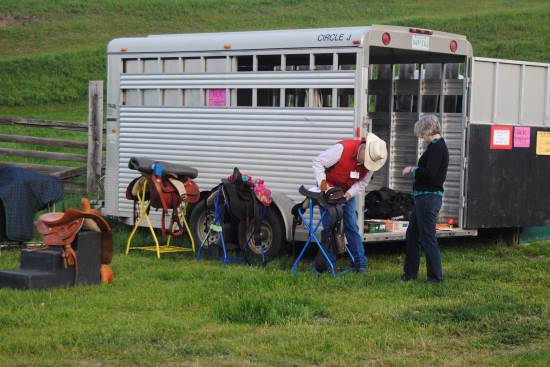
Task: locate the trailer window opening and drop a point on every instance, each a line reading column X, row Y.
column 347, row 61
column 170, row 65
column 296, row 97
column 268, row 97
column 269, row 62
column 298, row 62
column 150, row 97
column 453, row 104
column 243, row 97
column 323, row 61
column 371, row 104
column 171, row 97
column 244, row 63
column 151, row 66
column 192, row 98
column 405, row 103
column 192, row 65
column 130, row 97
column 130, row 66
column 215, row 64
column 346, row 97
column 322, row 97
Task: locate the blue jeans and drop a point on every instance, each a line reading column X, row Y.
column 421, row 235
column 351, row 230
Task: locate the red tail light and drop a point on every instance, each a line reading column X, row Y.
column 386, row 38
column 453, row 46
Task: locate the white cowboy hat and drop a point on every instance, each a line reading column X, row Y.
column 376, row 152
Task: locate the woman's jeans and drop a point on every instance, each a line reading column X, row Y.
column 351, row 230
column 421, row 234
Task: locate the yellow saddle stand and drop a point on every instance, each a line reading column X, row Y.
column 144, row 215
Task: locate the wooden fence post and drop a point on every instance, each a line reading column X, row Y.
column 95, row 135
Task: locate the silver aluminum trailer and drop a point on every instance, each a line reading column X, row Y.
column 269, row 101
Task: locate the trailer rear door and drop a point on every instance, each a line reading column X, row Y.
column 508, row 139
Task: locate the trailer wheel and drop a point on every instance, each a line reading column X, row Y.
column 271, row 234
column 199, row 221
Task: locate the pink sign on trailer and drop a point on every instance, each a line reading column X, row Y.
column 522, row 137
column 216, row 97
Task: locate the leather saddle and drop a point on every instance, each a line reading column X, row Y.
column 60, row 229
column 331, row 200
column 241, row 202
column 168, row 186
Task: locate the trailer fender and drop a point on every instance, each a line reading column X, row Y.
column 284, row 204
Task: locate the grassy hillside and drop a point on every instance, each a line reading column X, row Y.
column 49, row 50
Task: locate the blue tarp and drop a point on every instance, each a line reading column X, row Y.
column 22, row 194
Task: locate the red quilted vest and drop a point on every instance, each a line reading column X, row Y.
column 339, row 174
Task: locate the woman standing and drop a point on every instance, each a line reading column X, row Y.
column 429, row 176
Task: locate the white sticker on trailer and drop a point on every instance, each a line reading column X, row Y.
column 420, row 42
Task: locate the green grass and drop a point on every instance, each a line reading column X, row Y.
column 73, row 111
column 491, row 310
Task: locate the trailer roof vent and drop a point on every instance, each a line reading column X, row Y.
column 386, row 38
column 421, row 31
column 453, row 46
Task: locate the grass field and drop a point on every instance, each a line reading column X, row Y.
column 492, row 310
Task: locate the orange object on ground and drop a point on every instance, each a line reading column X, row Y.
column 106, row 274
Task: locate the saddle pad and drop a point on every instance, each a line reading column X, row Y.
column 179, row 186
column 90, row 225
column 145, row 165
column 138, row 186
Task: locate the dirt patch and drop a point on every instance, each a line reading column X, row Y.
column 10, row 21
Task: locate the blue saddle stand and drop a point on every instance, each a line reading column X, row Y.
column 312, row 228
column 217, row 227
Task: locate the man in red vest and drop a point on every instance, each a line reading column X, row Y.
column 349, row 164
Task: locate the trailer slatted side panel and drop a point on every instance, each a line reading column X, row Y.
column 276, row 144
column 509, row 92
column 330, row 79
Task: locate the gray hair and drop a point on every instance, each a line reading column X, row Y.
column 428, row 124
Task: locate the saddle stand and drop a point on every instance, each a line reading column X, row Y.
column 160, row 187
column 216, row 227
column 315, row 199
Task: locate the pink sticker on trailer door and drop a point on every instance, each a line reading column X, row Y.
column 216, row 97
column 522, row 137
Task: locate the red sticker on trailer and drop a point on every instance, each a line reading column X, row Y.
column 501, row 137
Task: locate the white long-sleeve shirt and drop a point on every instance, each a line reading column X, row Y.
column 329, row 158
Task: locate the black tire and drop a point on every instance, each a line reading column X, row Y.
column 199, row 221
column 271, row 233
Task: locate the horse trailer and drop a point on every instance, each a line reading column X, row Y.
column 269, row 101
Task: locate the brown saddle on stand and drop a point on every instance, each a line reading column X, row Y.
column 60, row 229
column 168, row 185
